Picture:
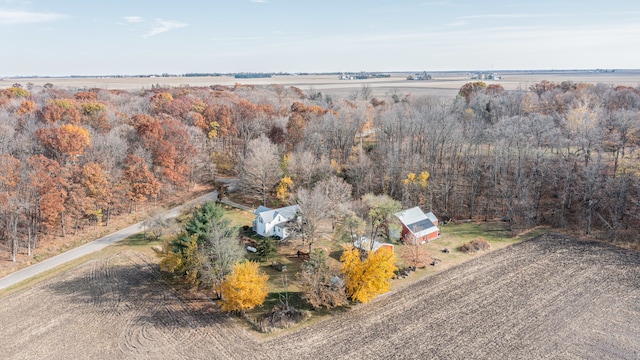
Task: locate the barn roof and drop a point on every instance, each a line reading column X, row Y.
column 417, row 221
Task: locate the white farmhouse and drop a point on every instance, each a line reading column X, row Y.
column 274, row 222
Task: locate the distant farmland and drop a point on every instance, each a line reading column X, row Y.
column 550, row 297
column 443, row 84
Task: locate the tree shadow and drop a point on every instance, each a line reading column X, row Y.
column 139, row 293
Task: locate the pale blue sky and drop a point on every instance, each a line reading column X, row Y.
column 82, row 37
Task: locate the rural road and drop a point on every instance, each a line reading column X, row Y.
column 93, row 246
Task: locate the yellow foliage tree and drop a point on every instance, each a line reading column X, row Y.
column 180, row 258
column 422, row 180
column 213, row 133
column 245, row 288
column 284, row 188
column 364, row 279
column 17, row 92
column 411, row 178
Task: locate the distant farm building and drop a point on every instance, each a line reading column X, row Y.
column 418, row 227
column 275, row 222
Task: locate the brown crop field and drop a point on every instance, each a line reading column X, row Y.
column 550, row 297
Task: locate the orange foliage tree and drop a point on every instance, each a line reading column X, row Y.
column 364, row 279
column 47, row 183
column 245, row 288
column 27, row 107
column 61, row 110
column 69, row 139
column 141, row 182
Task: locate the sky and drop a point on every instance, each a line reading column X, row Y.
column 135, row 37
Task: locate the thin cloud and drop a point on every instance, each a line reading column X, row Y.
column 259, row 1
column 441, row 3
column 133, row 19
column 11, row 17
column 247, row 38
column 163, row 26
column 509, row 16
column 458, row 23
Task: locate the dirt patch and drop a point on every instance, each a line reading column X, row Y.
column 117, row 308
column 550, row 297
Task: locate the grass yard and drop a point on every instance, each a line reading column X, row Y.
column 238, row 217
column 455, row 235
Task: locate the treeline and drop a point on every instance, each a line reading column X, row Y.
column 556, row 154
column 562, row 155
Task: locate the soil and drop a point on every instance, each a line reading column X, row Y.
column 550, row 297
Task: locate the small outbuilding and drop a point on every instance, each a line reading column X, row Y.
column 364, row 243
column 418, row 227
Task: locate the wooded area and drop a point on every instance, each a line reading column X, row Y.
column 562, row 155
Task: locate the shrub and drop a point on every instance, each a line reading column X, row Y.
column 280, row 317
column 479, row 244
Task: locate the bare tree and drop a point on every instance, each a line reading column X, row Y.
column 321, row 287
column 315, row 207
column 260, row 170
column 218, row 253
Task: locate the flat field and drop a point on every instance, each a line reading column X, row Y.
column 549, row 297
column 444, row 84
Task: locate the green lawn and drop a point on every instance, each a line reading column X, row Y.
column 238, row 217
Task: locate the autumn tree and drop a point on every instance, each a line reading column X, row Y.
column 68, row 139
column 140, row 181
column 94, row 114
column 46, row 181
column 295, row 130
column 26, row 108
column 160, row 101
column 415, row 255
column 467, row 90
column 180, row 258
column 321, row 287
column 60, row 110
column 97, row 187
column 11, row 206
column 244, row 288
column 284, row 188
column 364, row 279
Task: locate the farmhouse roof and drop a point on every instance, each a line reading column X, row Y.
column 417, row 221
column 261, row 209
column 267, row 215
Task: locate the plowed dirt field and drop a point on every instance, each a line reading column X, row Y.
column 550, row 297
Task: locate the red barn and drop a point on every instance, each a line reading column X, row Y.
column 418, row 227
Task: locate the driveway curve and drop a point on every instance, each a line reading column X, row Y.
column 88, row 248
